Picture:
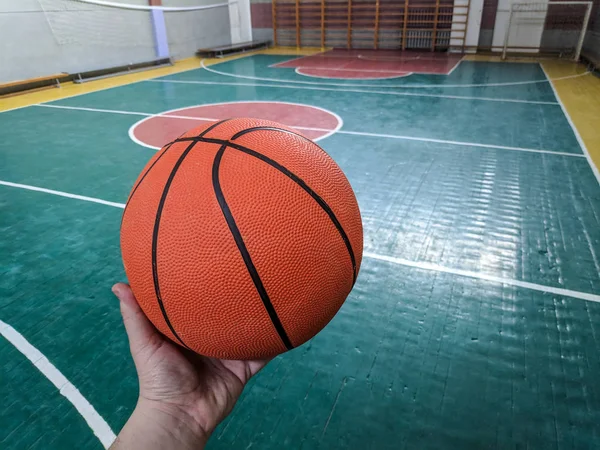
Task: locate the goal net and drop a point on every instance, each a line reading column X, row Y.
column 553, row 28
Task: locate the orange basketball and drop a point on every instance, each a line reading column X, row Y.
column 241, row 239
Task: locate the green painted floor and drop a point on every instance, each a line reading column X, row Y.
column 416, row 359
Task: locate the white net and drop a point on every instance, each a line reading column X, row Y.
column 52, row 36
column 556, row 28
column 188, row 31
column 130, row 24
column 78, row 23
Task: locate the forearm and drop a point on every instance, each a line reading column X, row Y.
column 151, row 428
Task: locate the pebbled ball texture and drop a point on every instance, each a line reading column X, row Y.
column 290, row 207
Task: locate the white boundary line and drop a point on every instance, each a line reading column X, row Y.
column 62, row 194
column 338, row 131
column 466, row 144
column 573, row 127
column 390, row 259
column 482, row 276
column 456, row 65
column 96, row 423
column 298, row 70
column 340, row 121
column 363, row 91
column 411, row 86
column 81, row 108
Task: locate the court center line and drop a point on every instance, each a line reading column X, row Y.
column 361, row 91
column 96, row 423
column 573, row 127
column 352, row 133
column 390, row 259
column 407, row 86
column 482, row 276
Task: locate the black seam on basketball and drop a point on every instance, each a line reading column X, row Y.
column 200, row 136
column 149, row 169
column 312, row 193
column 142, row 179
column 239, row 241
column 168, row 146
column 250, row 130
column 159, row 210
column 298, row 181
column 155, row 231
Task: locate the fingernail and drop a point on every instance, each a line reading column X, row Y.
column 116, row 290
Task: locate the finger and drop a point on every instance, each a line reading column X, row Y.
column 139, row 329
column 257, row 365
column 244, row 369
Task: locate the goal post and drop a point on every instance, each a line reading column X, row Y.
column 556, row 27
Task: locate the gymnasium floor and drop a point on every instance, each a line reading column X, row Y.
column 475, row 320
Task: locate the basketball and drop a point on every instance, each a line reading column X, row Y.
column 241, row 239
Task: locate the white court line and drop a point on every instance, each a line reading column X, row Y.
column 391, row 58
column 455, row 66
column 295, row 59
column 482, row 276
column 111, row 111
column 337, row 131
column 96, row 423
column 62, row 194
column 399, row 58
column 325, row 54
column 397, row 72
column 363, row 91
column 573, row 127
column 415, row 86
column 327, row 132
column 405, row 262
column 466, row 144
column 298, row 70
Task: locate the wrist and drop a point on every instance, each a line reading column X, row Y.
column 154, row 425
column 172, row 417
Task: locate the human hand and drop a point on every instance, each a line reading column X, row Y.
column 183, row 396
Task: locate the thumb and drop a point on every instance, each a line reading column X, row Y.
column 142, row 334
